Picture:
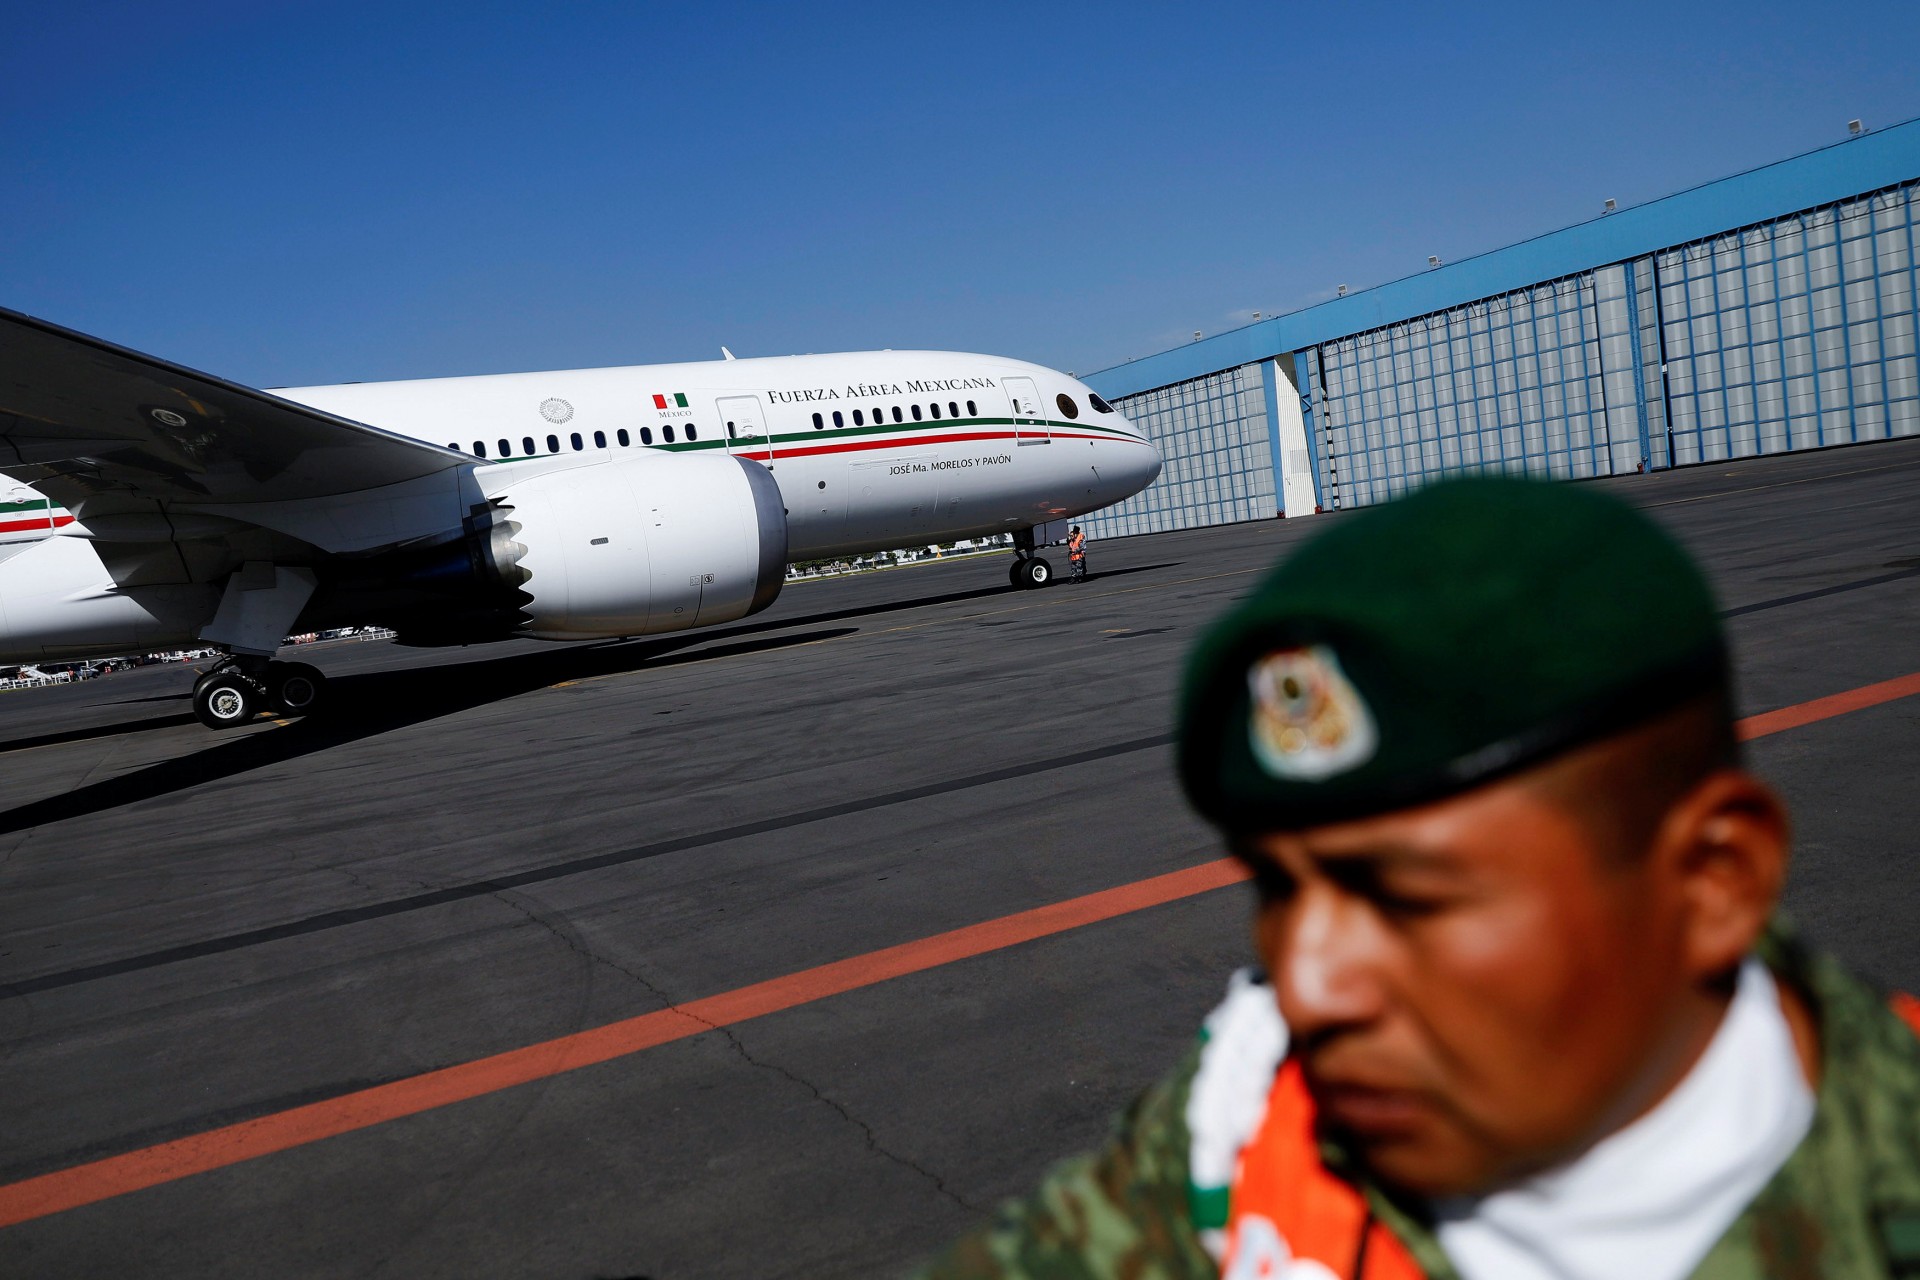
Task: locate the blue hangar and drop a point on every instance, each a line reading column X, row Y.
column 1768, row 312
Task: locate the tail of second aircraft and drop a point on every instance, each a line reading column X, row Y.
column 26, row 518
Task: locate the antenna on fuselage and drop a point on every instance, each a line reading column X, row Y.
column 728, row 354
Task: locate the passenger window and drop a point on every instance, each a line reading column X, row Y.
column 857, row 421
column 666, row 433
column 971, row 411
column 953, row 410
column 479, row 448
column 896, row 413
column 817, row 424
column 838, row 421
column 646, row 435
column 693, row 433
column 731, row 433
column 622, row 436
column 578, row 443
column 527, row 444
column 506, row 448
column 879, row 415
column 916, row 412
column 1067, row 406
column 553, row 444
column 599, row 439
column 935, row 410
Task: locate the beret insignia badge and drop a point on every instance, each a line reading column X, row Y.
column 1308, row 722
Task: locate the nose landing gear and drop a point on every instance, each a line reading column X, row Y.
column 1028, row 570
column 240, row 688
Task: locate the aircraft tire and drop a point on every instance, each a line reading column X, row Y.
column 225, row 700
column 295, row 689
column 1039, row 572
column 1017, row 575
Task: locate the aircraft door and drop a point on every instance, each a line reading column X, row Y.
column 745, row 423
column 1029, row 422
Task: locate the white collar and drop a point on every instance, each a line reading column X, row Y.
column 1650, row 1200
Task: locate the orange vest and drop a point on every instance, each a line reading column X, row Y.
column 1076, row 546
column 1286, row 1206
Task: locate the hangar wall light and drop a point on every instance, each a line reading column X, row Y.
column 1432, row 261
column 1608, row 207
column 1855, row 128
column 1340, row 292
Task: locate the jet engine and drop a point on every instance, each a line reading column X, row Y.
column 640, row 545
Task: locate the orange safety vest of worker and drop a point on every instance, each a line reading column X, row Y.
column 1286, row 1207
column 1076, row 546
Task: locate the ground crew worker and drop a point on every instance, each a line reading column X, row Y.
column 1531, row 1014
column 1077, row 554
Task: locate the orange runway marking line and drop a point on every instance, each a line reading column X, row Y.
column 217, row 1148
column 282, row 1130
column 1825, row 708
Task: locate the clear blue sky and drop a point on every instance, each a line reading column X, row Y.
column 291, row 193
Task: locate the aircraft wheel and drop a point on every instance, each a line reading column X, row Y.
column 294, row 688
column 225, row 699
column 1017, row 574
column 1039, row 572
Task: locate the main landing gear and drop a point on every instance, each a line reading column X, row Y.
column 1028, row 570
column 238, row 689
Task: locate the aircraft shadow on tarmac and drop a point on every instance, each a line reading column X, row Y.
column 60, row 736
column 368, row 704
column 922, row 602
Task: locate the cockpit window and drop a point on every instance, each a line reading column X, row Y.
column 1067, row 407
column 1099, row 405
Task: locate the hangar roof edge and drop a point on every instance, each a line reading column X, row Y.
column 1881, row 158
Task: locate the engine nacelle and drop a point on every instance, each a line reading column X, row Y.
column 643, row 544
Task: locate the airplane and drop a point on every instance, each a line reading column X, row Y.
column 169, row 508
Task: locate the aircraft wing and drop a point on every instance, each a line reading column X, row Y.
column 81, row 418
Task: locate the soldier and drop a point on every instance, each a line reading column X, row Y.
column 1531, row 1013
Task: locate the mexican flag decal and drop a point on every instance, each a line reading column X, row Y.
column 674, row 401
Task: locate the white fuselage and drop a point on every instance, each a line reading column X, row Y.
column 871, row 450
column 865, row 451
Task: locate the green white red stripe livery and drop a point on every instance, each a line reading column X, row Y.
column 168, row 507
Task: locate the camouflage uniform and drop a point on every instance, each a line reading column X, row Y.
column 1846, row 1203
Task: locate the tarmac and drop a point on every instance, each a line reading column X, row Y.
column 495, row 849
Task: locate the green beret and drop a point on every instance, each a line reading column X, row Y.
column 1420, row 648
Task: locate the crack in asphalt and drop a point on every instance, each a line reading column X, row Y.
column 872, row 1139
column 449, row 1189
column 577, row 945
